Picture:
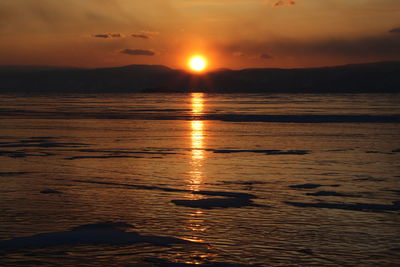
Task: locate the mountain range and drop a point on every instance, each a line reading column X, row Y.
column 380, row 77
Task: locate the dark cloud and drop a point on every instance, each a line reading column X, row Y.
column 395, row 30
column 284, row 3
column 140, row 36
column 138, row 52
column 116, row 35
column 265, row 56
column 367, row 46
column 101, row 36
column 144, row 34
column 379, row 46
column 108, row 35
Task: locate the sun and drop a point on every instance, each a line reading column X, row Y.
column 197, row 63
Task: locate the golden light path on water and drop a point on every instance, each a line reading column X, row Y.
column 197, row 139
column 196, row 175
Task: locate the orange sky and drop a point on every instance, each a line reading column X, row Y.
column 231, row 33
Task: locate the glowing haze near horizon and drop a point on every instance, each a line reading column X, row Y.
column 229, row 33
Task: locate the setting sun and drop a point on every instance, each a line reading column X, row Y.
column 197, row 63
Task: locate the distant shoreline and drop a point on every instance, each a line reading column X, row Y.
column 381, row 77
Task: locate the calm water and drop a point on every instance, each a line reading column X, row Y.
column 321, row 193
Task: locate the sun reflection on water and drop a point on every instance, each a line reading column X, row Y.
column 197, row 103
column 195, row 222
column 197, row 141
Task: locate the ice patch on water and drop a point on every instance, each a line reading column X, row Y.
column 169, row 189
column 110, row 153
column 23, row 154
column 225, row 194
column 349, row 206
column 108, row 233
column 330, row 194
column 378, row 152
column 228, row 199
column 12, row 173
column 369, row 178
column 106, row 157
column 104, row 225
column 210, row 203
column 50, row 191
column 239, row 183
column 163, row 263
column 261, row 151
column 39, row 143
column 310, row 186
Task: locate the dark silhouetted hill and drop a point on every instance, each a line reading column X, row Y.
column 383, row 77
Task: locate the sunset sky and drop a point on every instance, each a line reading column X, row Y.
column 230, row 33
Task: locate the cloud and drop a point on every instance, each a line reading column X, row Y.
column 265, row 56
column 149, row 32
column 284, row 3
column 116, row 35
column 108, row 35
column 395, row 30
column 51, row 16
column 376, row 47
column 144, row 34
column 101, row 36
column 251, row 55
column 140, row 36
column 137, row 52
column 381, row 45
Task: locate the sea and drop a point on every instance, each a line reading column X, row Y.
column 196, row 179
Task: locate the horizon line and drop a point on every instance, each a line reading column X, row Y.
column 207, row 71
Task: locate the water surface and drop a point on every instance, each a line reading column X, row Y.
column 255, row 179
